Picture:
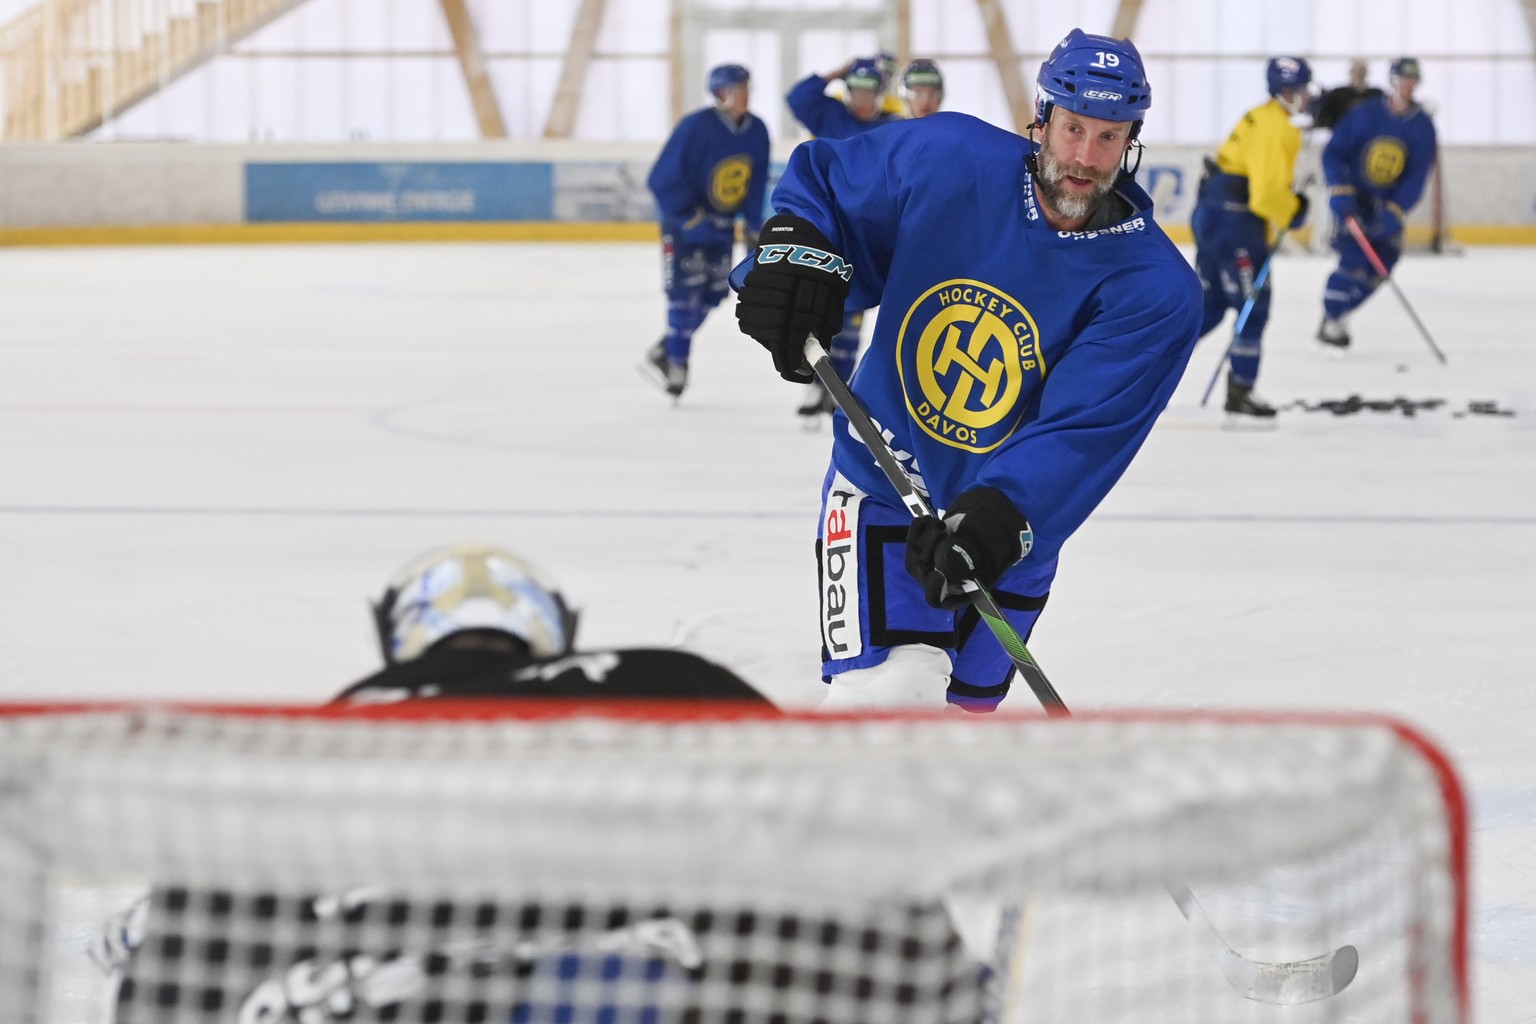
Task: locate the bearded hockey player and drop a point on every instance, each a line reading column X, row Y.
column 1034, row 322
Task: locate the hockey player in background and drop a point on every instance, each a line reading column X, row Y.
column 924, row 85
column 712, row 172
column 1035, row 321
column 1247, row 198
column 827, row 117
column 1376, row 165
column 471, row 620
column 1333, row 104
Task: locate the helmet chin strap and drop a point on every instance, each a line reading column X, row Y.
column 1295, row 105
column 1125, row 160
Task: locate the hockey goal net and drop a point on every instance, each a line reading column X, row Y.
column 512, row 863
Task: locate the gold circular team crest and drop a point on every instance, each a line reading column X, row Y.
column 728, row 182
column 1385, row 159
column 965, row 353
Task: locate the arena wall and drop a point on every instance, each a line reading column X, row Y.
column 158, row 192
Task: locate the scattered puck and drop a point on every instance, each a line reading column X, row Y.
column 1402, row 367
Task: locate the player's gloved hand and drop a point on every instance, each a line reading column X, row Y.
column 703, row 226
column 1386, row 224
column 982, row 535
column 796, row 288
column 1301, row 211
column 1343, row 206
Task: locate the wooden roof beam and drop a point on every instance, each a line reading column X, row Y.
column 573, row 73
column 482, row 92
column 1000, row 42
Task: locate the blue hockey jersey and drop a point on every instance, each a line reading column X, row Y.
column 710, row 172
column 1383, row 156
column 1006, row 353
column 827, row 117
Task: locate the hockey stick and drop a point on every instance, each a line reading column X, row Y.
column 981, row 599
column 1285, row 983
column 1381, row 269
column 1242, row 314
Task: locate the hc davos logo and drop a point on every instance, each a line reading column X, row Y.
column 1385, row 158
column 728, row 182
column 965, row 354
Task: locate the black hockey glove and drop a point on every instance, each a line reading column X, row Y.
column 981, row 537
column 797, row 288
column 1301, row 211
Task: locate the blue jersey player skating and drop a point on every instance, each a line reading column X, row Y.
column 828, row 117
column 1377, row 164
column 712, row 171
column 1034, row 322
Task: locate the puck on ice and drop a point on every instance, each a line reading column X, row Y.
column 1402, row 367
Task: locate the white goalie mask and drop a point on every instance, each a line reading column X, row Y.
column 471, row 587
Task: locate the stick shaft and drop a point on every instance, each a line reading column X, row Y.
column 1381, row 269
column 1254, row 979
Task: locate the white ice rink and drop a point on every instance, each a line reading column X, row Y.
column 212, row 458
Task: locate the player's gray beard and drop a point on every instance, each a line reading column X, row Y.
column 1069, row 204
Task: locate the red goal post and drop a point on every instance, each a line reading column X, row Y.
column 503, row 861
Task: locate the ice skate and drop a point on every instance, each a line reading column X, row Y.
column 667, row 374
column 1245, row 410
column 1333, row 336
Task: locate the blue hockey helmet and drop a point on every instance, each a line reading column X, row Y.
column 1096, row 76
column 726, row 75
column 1405, row 67
column 1287, row 73
column 923, row 72
column 866, row 73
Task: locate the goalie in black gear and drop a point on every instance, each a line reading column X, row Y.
column 471, row 621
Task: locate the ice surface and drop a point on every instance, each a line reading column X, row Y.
column 214, row 457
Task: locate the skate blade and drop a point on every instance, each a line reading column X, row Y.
column 1245, row 424
column 656, row 380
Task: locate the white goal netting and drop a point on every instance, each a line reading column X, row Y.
column 503, row 863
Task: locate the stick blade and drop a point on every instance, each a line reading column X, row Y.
column 1293, row 982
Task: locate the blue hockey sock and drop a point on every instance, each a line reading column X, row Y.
column 1245, row 361
column 683, row 318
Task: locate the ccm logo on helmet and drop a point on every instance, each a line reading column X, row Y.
column 805, row 256
column 1100, row 94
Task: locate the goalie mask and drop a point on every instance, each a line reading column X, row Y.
column 471, row 587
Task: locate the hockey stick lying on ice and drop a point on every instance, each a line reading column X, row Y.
column 1284, row 983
